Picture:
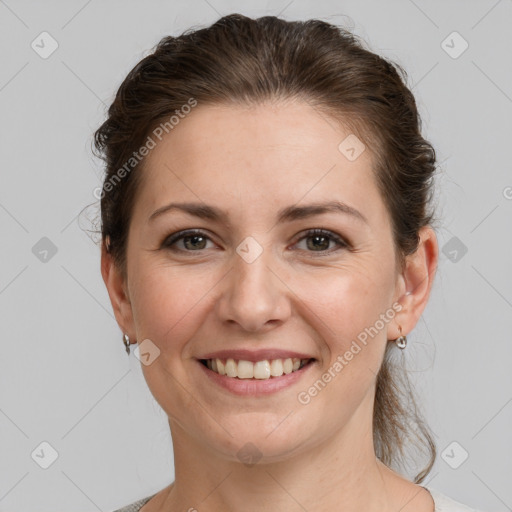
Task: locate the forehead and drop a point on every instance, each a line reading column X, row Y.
column 269, row 154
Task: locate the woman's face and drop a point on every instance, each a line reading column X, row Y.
column 254, row 279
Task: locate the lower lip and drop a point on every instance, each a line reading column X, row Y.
column 256, row 387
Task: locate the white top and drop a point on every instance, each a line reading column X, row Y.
column 442, row 502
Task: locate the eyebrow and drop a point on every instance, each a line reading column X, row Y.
column 287, row 214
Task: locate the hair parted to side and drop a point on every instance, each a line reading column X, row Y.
column 243, row 61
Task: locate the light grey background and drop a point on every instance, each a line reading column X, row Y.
column 65, row 377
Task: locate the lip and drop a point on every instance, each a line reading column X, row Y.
column 255, row 387
column 255, row 355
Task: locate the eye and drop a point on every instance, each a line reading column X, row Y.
column 193, row 239
column 320, row 240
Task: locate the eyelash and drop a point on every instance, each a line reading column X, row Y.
column 172, row 239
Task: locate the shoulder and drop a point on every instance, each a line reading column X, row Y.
column 135, row 506
column 444, row 503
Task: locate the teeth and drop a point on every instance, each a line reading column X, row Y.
column 231, row 368
column 245, row 370
column 287, row 366
column 221, row 369
column 259, row 370
column 276, row 367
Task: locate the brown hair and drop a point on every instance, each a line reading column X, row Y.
column 239, row 60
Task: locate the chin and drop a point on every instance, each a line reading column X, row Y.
column 265, row 441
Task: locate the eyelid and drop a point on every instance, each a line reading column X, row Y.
column 338, row 239
column 171, row 239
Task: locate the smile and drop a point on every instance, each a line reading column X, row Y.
column 254, row 379
column 261, row 370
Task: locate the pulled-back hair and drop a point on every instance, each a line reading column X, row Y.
column 243, row 61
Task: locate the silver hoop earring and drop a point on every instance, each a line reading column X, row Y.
column 126, row 342
column 401, row 341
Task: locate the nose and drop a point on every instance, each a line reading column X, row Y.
column 254, row 296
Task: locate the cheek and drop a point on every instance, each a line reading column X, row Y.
column 345, row 301
column 170, row 304
column 165, row 302
column 343, row 310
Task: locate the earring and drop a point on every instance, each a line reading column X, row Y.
column 126, row 342
column 401, row 341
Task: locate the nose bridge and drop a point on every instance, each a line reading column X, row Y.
column 253, row 295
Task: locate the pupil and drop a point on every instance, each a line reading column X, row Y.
column 193, row 237
column 316, row 238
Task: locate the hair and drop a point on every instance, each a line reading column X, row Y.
column 243, row 61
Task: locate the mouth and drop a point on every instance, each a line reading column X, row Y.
column 254, row 379
column 260, row 370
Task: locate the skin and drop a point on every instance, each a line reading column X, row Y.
column 203, row 296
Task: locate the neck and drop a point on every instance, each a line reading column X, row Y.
column 338, row 473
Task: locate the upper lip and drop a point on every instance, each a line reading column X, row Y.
column 255, row 355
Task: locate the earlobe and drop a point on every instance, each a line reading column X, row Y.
column 116, row 288
column 418, row 277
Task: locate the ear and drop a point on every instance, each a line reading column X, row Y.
column 117, row 291
column 416, row 282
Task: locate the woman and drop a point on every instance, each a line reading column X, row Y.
column 267, row 242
